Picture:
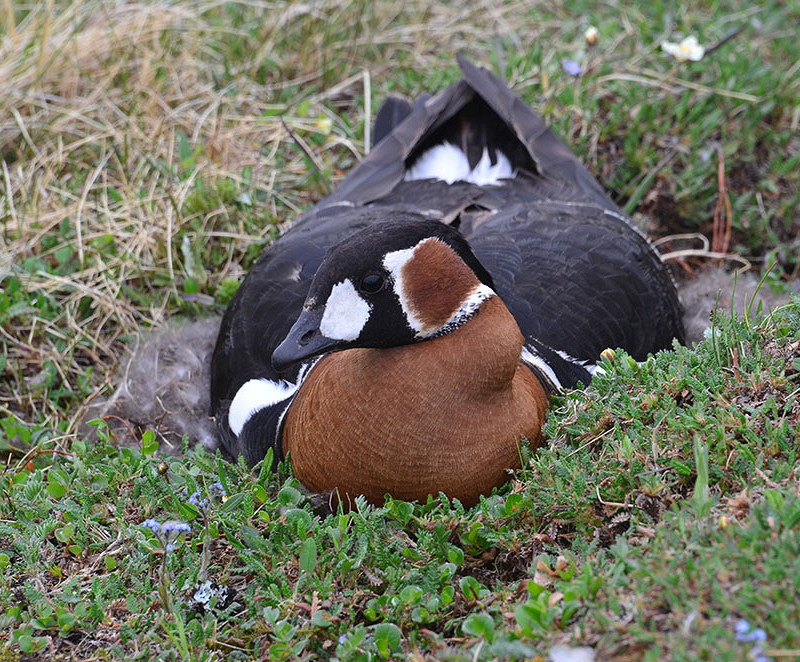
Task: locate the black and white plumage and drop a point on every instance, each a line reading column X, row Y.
column 573, row 271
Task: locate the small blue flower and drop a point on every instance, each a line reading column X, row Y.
column 151, row 524
column 745, row 634
column 217, row 490
column 571, row 67
column 342, row 638
column 197, row 502
column 168, row 532
column 175, row 526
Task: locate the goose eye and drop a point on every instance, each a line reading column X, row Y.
column 372, row 283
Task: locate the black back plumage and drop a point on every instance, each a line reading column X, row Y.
column 570, row 266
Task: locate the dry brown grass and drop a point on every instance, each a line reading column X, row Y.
column 98, row 93
column 103, row 99
column 97, row 98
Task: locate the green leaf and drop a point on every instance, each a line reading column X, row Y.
column 529, row 619
column 260, row 494
column 308, row 556
column 401, row 510
column 26, row 643
column 56, row 490
column 455, row 554
column 479, row 625
column 149, row 442
column 410, row 594
column 321, row 619
column 63, row 254
column 225, row 291
column 185, row 151
column 289, row 496
column 253, row 538
column 471, row 588
column 701, row 498
column 65, row 533
column 66, row 621
column 233, row 503
column 447, row 593
column 513, row 502
column 681, row 468
column 300, row 520
column 387, row 639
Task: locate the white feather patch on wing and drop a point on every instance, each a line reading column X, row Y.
column 346, row 313
column 591, row 368
column 254, row 395
column 449, row 164
column 532, row 358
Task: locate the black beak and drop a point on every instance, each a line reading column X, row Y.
column 304, row 340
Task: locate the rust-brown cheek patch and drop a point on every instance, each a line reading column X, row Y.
column 436, row 281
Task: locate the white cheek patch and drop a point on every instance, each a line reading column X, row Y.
column 255, row 395
column 346, row 313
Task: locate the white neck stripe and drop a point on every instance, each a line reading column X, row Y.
column 395, row 261
column 466, row 311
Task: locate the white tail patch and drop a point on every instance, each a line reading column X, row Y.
column 449, row 164
column 485, row 173
column 445, row 162
column 253, row 396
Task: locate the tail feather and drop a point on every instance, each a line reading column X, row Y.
column 477, row 113
column 393, row 111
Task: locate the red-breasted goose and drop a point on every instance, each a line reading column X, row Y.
column 469, row 265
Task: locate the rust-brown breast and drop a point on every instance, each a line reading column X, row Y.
column 445, row 414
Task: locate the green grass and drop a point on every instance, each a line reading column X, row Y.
column 664, row 509
column 145, row 163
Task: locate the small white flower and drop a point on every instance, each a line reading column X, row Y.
column 324, row 125
column 688, row 49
